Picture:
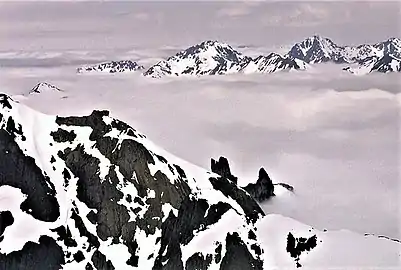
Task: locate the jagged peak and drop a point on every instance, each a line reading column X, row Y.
column 5, row 100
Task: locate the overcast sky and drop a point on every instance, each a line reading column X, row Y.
column 123, row 24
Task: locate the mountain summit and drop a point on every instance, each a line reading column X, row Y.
column 44, row 87
column 207, row 58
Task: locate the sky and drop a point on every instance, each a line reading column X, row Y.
column 97, row 25
column 331, row 135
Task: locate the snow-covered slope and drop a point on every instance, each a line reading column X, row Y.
column 273, row 63
column 112, row 67
column 388, row 63
column 91, row 192
column 297, row 244
column 44, row 87
column 207, row 58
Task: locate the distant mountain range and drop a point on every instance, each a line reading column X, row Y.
column 212, row 57
column 381, row 57
column 112, row 67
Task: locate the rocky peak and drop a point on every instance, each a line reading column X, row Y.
column 222, row 168
column 206, row 58
column 44, row 87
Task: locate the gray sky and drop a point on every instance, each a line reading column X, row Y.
column 123, row 24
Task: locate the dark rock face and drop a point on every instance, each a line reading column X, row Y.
column 295, row 246
column 62, row 135
column 222, row 168
column 6, row 219
column 238, row 257
column 263, row 188
column 100, row 262
column 45, row 255
column 193, row 215
column 20, row 171
column 198, row 262
column 251, row 208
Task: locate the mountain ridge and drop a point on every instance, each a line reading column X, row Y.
column 212, row 57
column 367, row 57
column 112, row 67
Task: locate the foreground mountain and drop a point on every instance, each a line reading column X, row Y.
column 44, row 87
column 112, row 67
column 380, row 57
column 91, row 192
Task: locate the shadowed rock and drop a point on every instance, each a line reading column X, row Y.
column 6, row 219
column 36, row 256
column 222, row 168
column 295, row 246
column 263, row 189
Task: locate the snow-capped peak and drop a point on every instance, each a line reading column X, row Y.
column 207, row 58
column 316, row 49
column 44, row 87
